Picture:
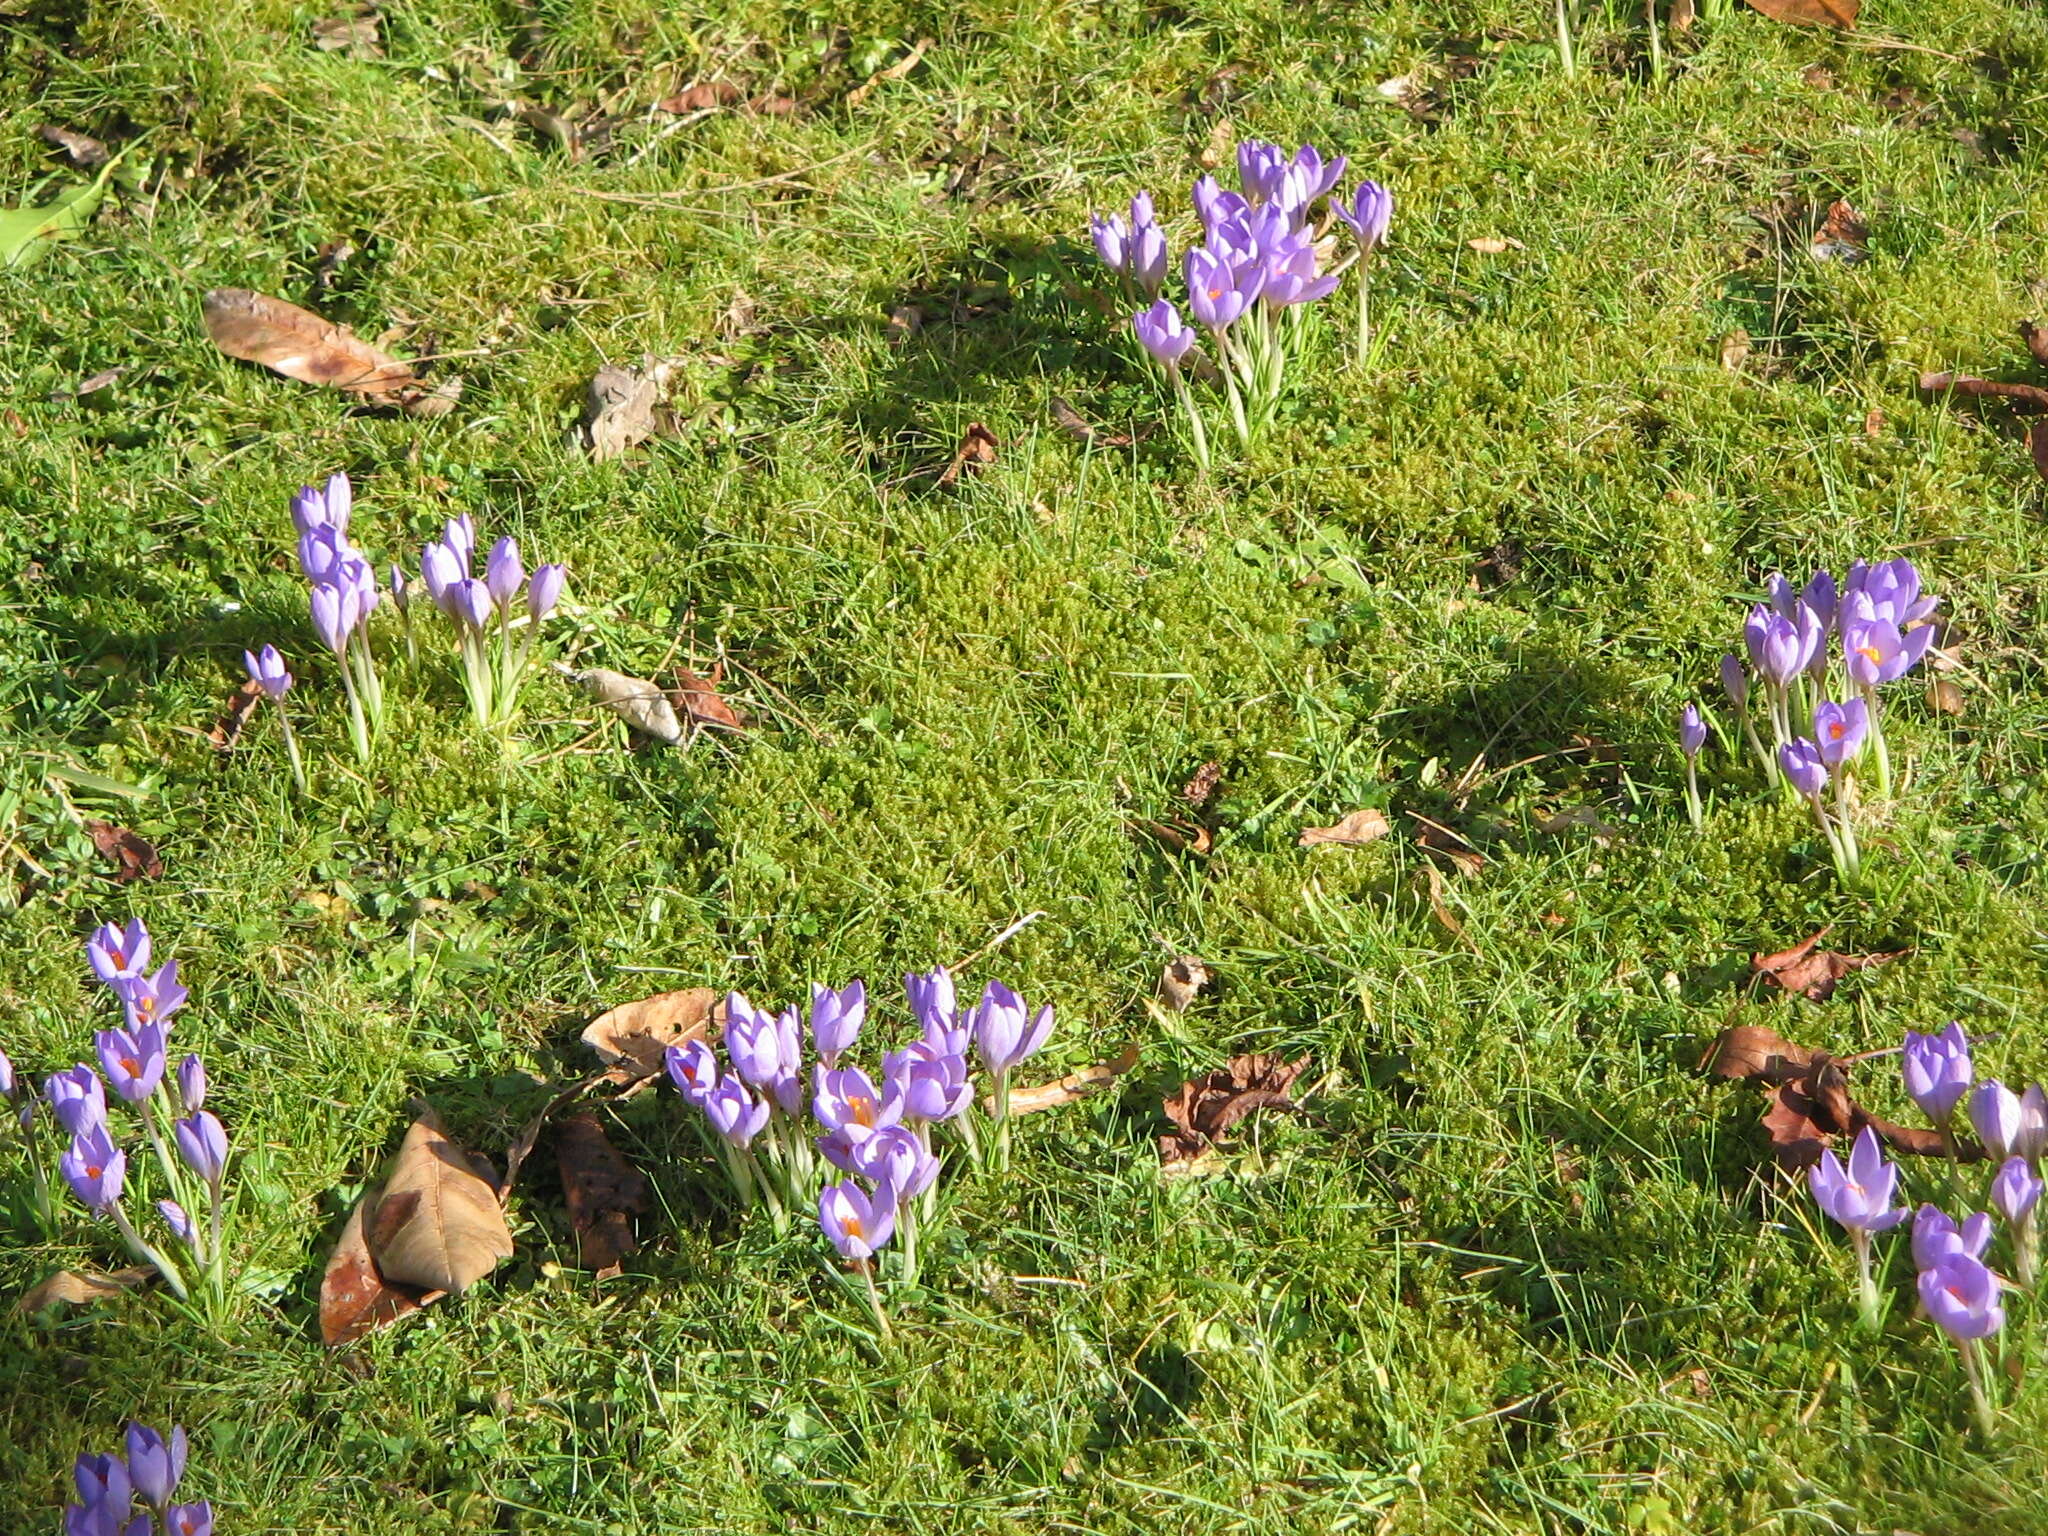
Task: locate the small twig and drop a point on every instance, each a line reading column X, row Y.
column 1007, row 934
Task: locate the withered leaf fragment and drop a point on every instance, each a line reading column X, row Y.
column 227, row 730
column 1075, row 1085
column 82, row 150
column 2035, row 335
column 1183, row 977
column 696, row 698
column 1081, row 429
column 1842, row 236
column 624, row 407
column 977, row 451
column 2024, row 397
column 69, row 1288
column 1755, row 1053
column 2037, row 447
column 1809, row 1110
column 639, row 703
column 1353, row 830
column 354, row 37
column 438, row 1225
column 1203, row 1110
column 1811, row 971
column 134, row 857
column 300, row 345
column 1202, row 786
column 633, row 1038
column 603, row 1192
column 1181, row 836
column 1811, row 13
column 703, row 96
column 355, row 1299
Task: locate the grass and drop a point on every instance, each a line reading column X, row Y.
column 1519, row 1270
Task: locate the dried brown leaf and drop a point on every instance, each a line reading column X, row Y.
column 82, row 150
column 438, row 1224
column 1755, row 1054
column 300, row 345
column 622, row 407
column 1353, row 830
column 704, row 96
column 2024, row 397
column 1203, row 1110
column 69, row 1288
column 1944, row 697
column 905, row 321
column 1811, row 13
column 1181, row 836
column 1735, row 350
column 2037, row 447
column 1580, row 818
column 134, row 856
column 1075, row 1085
column 1843, row 236
column 603, row 1192
column 1496, row 245
column 2035, row 335
column 1082, row 430
column 1811, row 971
column 1183, row 977
column 977, row 451
column 355, row 1299
column 354, row 36
column 1438, row 840
column 639, row 703
column 227, row 730
column 696, row 698
column 896, row 71
column 633, row 1038
column 1201, row 785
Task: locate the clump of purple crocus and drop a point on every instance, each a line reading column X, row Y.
column 344, row 594
column 131, row 1495
column 486, row 611
column 187, row 1144
column 787, row 1109
column 1249, row 279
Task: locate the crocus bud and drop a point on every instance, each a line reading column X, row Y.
column 693, row 1069
column 459, row 533
column 440, row 571
column 754, row 1043
column 1935, row 1233
column 469, row 603
column 341, row 500
column 1370, row 211
column 545, row 590
column 503, row 573
column 203, row 1144
column 1735, row 680
column 1692, row 731
column 102, row 1483
column 332, row 617
column 175, row 1218
column 1937, row 1071
column 1001, row 1031
column 77, row 1099
column 1804, row 771
column 192, row 1082
column 401, row 591
column 735, row 1113
column 1112, row 241
column 2033, row 1137
column 2015, row 1190
column 1995, row 1113
column 836, row 1017
column 6, row 1077
column 1161, row 332
column 155, row 1465
column 267, row 671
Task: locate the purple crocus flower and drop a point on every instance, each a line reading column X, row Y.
column 459, row 534
column 1310, row 176
column 1261, row 168
column 1961, row 1295
column 189, row 1519
column 1735, row 680
column 1291, row 275
column 1368, row 213
column 203, row 1144
column 735, row 1113
column 133, row 1059
column 857, row 1222
column 545, row 590
column 1839, row 730
column 836, row 1018
column 1818, row 595
column 1220, row 291
column 896, row 1160
column 334, row 615
column 155, row 1466
column 1800, row 762
column 1859, row 1197
column 191, row 1083
column 77, row 1098
column 321, row 553
column 1935, row 1233
column 1112, row 237
column 401, row 589
column 2033, row 1137
column 103, row 1484
column 116, row 952
column 439, row 571
column 151, row 999
column 934, row 1003
column 175, row 1218
column 931, row 1081
column 841, row 1148
column 1874, row 648
column 470, row 604
column 1002, row 1032
column 1937, row 1071
column 1893, row 590
column 1216, row 206
column 694, row 1069
column 267, row 671
column 1149, row 255
column 1999, row 1121
column 1782, row 648
column 1162, row 332
column 2014, row 1190
column 504, row 575
column 1692, row 731
column 6, row 1077
column 847, row 1096
column 94, row 1167
column 755, row 1043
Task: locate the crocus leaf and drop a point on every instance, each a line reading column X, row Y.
column 28, row 231
column 438, row 1224
column 633, row 1038
column 355, row 1298
column 1811, row 13
column 1203, row 1110
column 634, row 700
column 603, row 1192
column 1359, row 827
column 134, row 856
column 1075, row 1085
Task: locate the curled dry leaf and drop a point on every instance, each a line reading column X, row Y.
column 353, row 37
column 438, row 1224
column 1183, row 977
column 1811, row 13
column 1735, row 350
column 522, row 1144
column 355, row 1299
column 300, row 345
column 696, row 699
column 82, row 150
column 977, row 451
column 227, row 730
column 1439, row 841
column 703, row 96
column 1755, row 1053
column 134, row 856
column 633, row 1038
column 69, row 1288
column 2037, row 447
column 639, row 703
column 1944, row 697
column 1082, row 430
column 2035, row 335
column 1580, row 818
column 624, row 407
column 1203, row 1110
column 1360, row 827
column 1811, row 971
column 896, row 71
column 2024, row 397
column 1075, row 1085
column 1201, row 788
column 603, row 1192
column 1181, row 836
column 1842, row 236
column 1496, row 245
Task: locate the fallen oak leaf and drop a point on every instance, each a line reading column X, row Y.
column 134, row 856
column 697, row 699
column 438, row 1225
column 1204, row 1109
column 2025, row 397
column 603, row 1192
column 977, row 451
column 1755, row 1053
column 1813, row 972
column 632, row 1040
column 355, row 1298
column 1354, row 830
column 1075, row 1085
column 70, row 1288
column 227, row 730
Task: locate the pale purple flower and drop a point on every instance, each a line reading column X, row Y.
column 1893, row 590
column 1003, row 1033
column 151, row 999
column 836, row 1018
column 116, row 952
column 266, row 670
column 154, row 1465
column 1962, row 1297
column 469, row 603
column 1999, row 1120
column 459, row 534
column 77, row 1099
column 2033, row 1137
column 2014, row 1190
column 1873, row 647
column 1804, row 771
column 735, row 1113
column 694, row 1069
column 94, row 1167
column 1162, row 332
column 545, row 590
column 1215, row 205
column 175, row 1218
column 895, row 1159
column 440, row 571
column 191, row 1083
column 931, row 1080
column 1860, row 1196
column 847, row 1096
column 189, row 1519
column 203, row 1144
column 133, row 1059
column 1935, row 1233
column 1735, row 680
column 933, row 1002
column 1219, row 291
column 1692, row 731
column 103, row 1484
column 504, row 575
column 1782, row 648
column 1937, row 1071
column 755, row 1043
column 335, row 612
column 1818, row 595
column 1839, row 729
column 858, row 1223
column 1367, row 215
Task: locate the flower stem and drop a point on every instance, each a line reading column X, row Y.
column 1980, row 1397
column 1877, row 742
column 147, row 1254
column 1364, row 310
column 1003, row 1121
column 1693, row 810
column 867, row 1270
column 1870, row 1306
column 1196, row 430
column 1237, row 419
column 291, row 748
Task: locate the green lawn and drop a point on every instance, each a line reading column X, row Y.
column 1519, row 1268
